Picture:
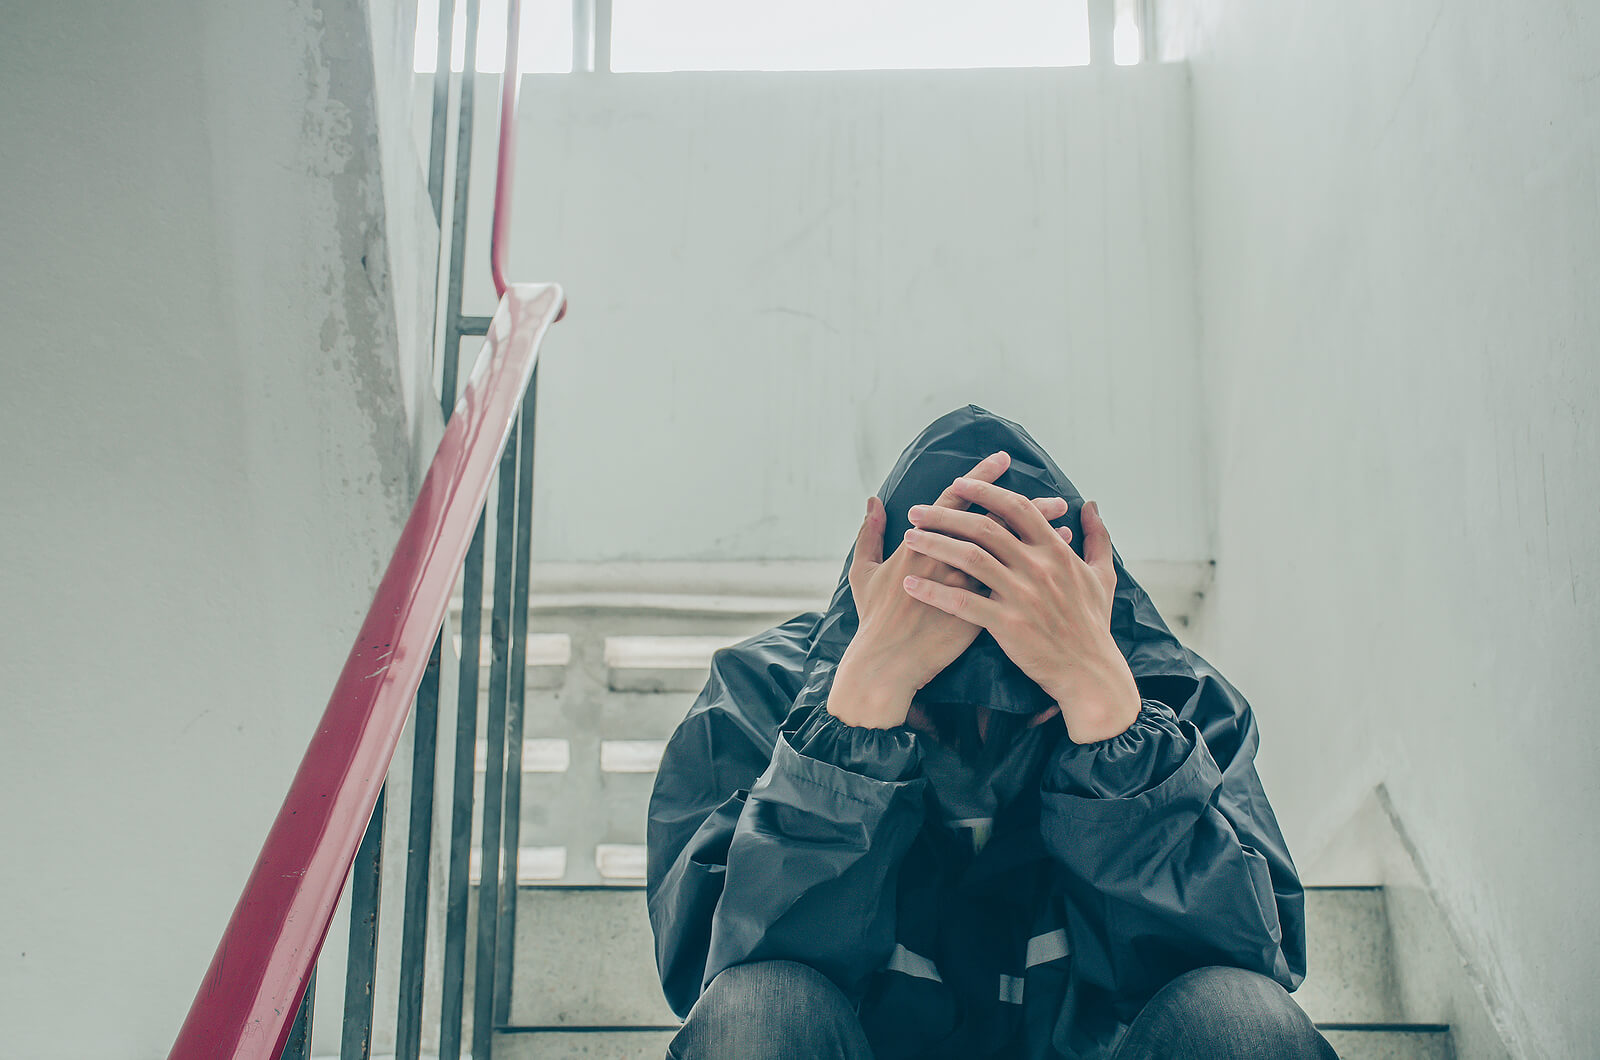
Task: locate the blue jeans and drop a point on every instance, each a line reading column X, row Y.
column 764, row 1010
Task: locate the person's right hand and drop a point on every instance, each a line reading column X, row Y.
column 901, row 641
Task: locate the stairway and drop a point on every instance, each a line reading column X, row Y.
column 606, row 687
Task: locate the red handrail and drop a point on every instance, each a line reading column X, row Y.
column 510, row 91
column 247, row 1001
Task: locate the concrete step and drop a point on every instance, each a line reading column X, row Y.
column 1349, row 960
column 1420, row 1042
column 543, row 1043
column 1414, row 1041
column 612, row 674
column 586, row 957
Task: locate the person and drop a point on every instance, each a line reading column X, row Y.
column 984, row 805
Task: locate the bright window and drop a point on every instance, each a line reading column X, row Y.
column 666, row 35
column 545, row 45
column 651, row 35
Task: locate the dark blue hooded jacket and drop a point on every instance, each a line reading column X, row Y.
column 776, row 830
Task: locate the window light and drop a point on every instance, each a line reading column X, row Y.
column 661, row 35
column 545, row 45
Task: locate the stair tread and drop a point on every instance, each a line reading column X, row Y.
column 606, row 974
column 650, row 1043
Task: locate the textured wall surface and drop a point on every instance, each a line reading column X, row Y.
column 1399, row 248
column 209, row 455
column 776, row 280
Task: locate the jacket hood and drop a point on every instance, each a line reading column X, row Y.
column 946, row 449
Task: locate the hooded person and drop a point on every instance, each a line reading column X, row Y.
column 1026, row 900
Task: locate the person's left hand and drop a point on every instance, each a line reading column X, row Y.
column 1049, row 610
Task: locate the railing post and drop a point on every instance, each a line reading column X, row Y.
column 602, row 36
column 455, row 934
column 298, row 1046
column 583, row 36
column 495, row 755
column 506, row 939
column 455, row 937
column 441, row 105
column 362, row 963
column 419, row 848
column 458, row 222
column 1102, row 27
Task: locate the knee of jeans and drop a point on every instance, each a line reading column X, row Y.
column 1236, row 1004
column 789, row 992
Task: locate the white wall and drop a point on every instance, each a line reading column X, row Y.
column 1399, row 249
column 203, row 403
column 776, row 280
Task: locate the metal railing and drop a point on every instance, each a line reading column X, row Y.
column 256, row 999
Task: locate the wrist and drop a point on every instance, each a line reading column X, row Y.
column 869, row 694
column 1104, row 705
column 1094, row 723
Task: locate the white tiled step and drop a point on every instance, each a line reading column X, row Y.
column 602, row 969
column 631, row 756
column 555, row 756
column 538, row 756
column 548, row 657
column 622, row 862
column 661, row 663
column 534, row 864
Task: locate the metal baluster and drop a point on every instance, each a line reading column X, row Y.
column 455, row 938
column 441, row 110
column 298, row 1046
column 494, row 768
column 505, row 944
column 602, row 36
column 419, row 848
column 455, row 932
column 361, row 967
column 458, row 224
column 436, row 160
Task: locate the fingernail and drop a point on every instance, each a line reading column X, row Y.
column 1096, row 505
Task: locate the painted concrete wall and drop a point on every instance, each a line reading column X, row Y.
column 1399, row 249
column 206, row 403
column 776, row 280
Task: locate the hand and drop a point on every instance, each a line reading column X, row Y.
column 1049, row 611
column 902, row 643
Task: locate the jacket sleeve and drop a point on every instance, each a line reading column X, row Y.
column 1173, row 857
column 801, row 865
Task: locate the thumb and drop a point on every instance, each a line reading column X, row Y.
column 869, row 543
column 1096, row 539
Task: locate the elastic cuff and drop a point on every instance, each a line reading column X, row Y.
column 890, row 755
column 1133, row 761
